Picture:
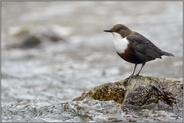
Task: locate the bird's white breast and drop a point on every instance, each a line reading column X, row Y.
column 120, row 43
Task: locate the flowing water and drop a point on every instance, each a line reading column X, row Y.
column 57, row 72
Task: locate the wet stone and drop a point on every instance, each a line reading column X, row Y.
column 33, row 35
column 140, row 92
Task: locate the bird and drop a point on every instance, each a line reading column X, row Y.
column 134, row 47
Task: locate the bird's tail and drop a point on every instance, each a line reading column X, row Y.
column 167, row 54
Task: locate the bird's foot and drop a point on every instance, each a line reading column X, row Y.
column 136, row 75
column 132, row 76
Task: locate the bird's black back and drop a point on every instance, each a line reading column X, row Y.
column 144, row 48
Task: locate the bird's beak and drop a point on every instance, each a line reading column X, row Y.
column 107, row 31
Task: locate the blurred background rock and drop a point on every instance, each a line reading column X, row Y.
column 53, row 51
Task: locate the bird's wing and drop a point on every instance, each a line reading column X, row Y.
column 144, row 47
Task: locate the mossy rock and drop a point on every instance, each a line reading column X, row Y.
column 138, row 91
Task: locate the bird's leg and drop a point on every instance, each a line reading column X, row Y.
column 133, row 71
column 140, row 69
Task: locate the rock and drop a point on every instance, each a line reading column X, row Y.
column 123, row 100
column 28, row 41
column 139, row 92
column 86, row 110
column 33, row 35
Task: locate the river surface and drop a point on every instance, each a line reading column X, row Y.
column 57, row 72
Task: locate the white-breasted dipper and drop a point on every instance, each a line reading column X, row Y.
column 134, row 47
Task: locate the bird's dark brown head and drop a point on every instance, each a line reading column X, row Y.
column 121, row 29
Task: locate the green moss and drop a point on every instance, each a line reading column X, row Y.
column 138, row 91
